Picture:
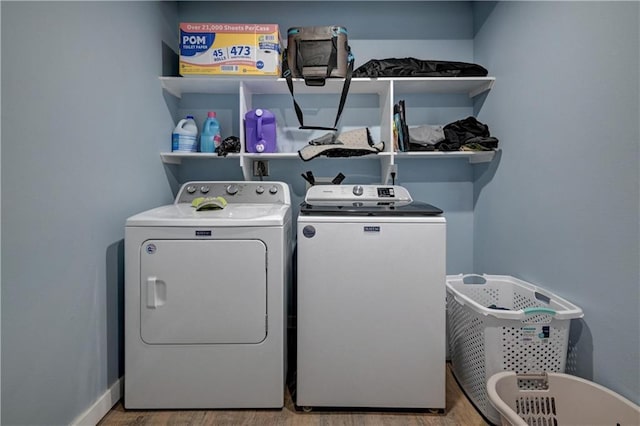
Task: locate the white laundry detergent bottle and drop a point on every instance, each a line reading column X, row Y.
column 185, row 135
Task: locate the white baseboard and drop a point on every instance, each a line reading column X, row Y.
column 101, row 407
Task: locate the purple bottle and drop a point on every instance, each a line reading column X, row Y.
column 260, row 131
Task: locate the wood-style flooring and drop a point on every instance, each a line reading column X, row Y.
column 459, row 411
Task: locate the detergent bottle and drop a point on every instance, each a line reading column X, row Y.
column 210, row 138
column 260, row 131
column 185, row 135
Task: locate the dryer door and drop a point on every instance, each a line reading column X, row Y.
column 203, row 291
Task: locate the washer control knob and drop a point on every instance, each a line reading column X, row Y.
column 232, row 189
column 191, row 189
column 273, row 190
column 358, row 190
column 204, row 189
column 259, row 190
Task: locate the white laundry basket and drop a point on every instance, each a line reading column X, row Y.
column 500, row 323
column 557, row 399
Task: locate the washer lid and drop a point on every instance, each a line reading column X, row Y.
column 237, row 214
column 413, row 208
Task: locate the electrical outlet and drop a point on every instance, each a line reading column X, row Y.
column 392, row 173
column 260, row 164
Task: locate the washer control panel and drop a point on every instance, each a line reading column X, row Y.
column 349, row 193
column 236, row 192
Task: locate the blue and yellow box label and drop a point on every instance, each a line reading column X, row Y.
column 230, row 49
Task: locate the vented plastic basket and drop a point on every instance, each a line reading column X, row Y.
column 500, row 323
column 557, row 399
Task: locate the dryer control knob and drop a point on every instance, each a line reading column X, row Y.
column 204, row 189
column 259, row 190
column 191, row 189
column 358, row 190
column 273, row 190
column 232, row 189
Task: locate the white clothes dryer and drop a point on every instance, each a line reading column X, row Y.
column 205, row 299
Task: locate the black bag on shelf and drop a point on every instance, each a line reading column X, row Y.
column 467, row 134
column 412, row 67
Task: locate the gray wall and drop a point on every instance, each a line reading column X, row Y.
column 561, row 205
column 84, row 119
column 83, row 122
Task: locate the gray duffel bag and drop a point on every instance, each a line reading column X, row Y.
column 315, row 54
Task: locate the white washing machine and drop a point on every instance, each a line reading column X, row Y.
column 370, row 299
column 205, row 309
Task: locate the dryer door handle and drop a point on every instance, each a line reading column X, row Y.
column 156, row 292
column 151, row 292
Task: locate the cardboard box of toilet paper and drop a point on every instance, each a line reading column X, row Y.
column 230, row 49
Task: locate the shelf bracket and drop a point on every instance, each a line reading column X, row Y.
column 481, row 89
column 170, row 159
column 482, row 157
